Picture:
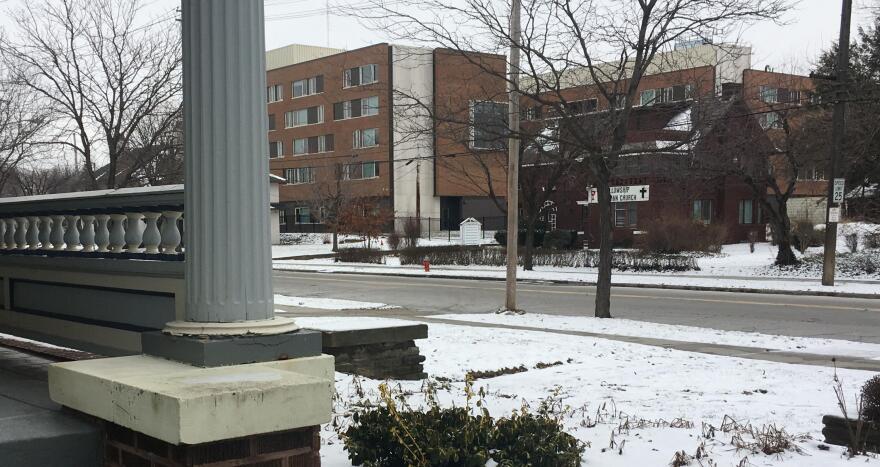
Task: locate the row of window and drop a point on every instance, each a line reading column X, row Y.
column 361, row 139
column 357, row 76
column 626, row 214
column 648, row 97
column 356, row 171
column 777, row 95
column 365, row 107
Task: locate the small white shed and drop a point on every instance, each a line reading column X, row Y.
column 470, row 231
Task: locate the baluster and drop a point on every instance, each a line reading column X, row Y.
column 21, row 233
column 134, row 231
column 87, row 238
column 71, row 235
column 102, row 234
column 45, row 232
column 152, row 237
column 117, row 233
column 57, row 232
column 33, row 233
column 2, row 234
column 170, row 232
column 10, row 233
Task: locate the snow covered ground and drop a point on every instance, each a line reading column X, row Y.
column 602, row 383
column 626, row 327
column 329, row 303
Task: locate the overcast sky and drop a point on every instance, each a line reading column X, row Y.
column 812, row 26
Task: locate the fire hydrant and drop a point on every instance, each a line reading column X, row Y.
column 426, row 264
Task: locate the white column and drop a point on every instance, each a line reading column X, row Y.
column 102, row 233
column 21, row 233
column 45, row 233
column 152, row 239
column 10, row 233
column 71, row 235
column 228, row 261
column 117, row 233
column 134, row 231
column 170, row 233
column 33, row 233
column 88, row 233
column 57, row 234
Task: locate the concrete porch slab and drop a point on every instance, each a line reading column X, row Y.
column 184, row 404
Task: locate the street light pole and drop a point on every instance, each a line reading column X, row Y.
column 832, row 213
column 513, row 158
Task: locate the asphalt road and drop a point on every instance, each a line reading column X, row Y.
column 794, row 315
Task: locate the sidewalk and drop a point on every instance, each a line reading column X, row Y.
column 719, row 283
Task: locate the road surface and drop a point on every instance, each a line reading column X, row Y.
column 794, row 315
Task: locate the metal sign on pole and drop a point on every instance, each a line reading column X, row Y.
column 838, row 191
column 838, row 127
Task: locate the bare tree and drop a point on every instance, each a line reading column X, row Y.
column 21, row 124
column 603, row 46
column 43, row 180
column 103, row 73
column 329, row 200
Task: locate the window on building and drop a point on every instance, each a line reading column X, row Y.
column 366, row 74
column 370, row 106
column 271, row 122
column 811, row 172
column 703, row 211
column 618, row 101
column 274, row 93
column 489, row 125
column 313, row 145
column 748, row 211
column 282, row 218
column 581, row 107
column 308, row 86
column 769, row 120
column 675, row 93
column 309, row 116
column 533, row 112
column 300, row 175
column 302, row 215
column 625, row 214
column 647, row 96
column 361, row 171
column 767, row 94
column 276, row 149
column 365, row 138
column 365, row 107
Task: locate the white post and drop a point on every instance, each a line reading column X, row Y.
column 170, row 233
column 45, row 232
column 133, row 231
column 71, row 235
column 21, row 233
column 88, row 233
column 102, row 233
column 33, row 233
column 10, row 233
column 228, row 260
column 152, row 239
column 117, row 233
column 2, row 234
column 57, row 235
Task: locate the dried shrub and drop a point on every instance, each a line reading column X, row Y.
column 412, row 230
column 852, row 242
column 360, row 255
column 561, row 240
column 671, row 235
column 394, row 240
column 805, row 235
column 872, row 239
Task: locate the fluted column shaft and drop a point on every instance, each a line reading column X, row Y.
column 228, row 261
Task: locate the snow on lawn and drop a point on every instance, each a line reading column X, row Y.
column 626, row 327
column 329, row 303
column 314, row 244
column 611, row 378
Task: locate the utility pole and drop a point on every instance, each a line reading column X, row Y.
column 513, row 158
column 832, row 214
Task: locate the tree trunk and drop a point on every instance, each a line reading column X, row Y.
column 782, row 225
column 603, row 283
column 335, row 239
column 528, row 254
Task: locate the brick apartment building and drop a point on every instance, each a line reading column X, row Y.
column 362, row 118
column 690, row 77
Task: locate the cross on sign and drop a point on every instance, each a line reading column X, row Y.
column 643, row 191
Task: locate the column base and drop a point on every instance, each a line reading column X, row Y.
column 211, row 351
column 183, row 404
column 263, row 327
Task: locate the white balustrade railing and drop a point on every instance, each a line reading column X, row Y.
column 135, row 232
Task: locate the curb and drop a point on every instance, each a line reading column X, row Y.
column 817, row 293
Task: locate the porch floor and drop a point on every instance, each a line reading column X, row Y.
column 34, row 431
